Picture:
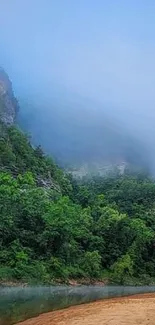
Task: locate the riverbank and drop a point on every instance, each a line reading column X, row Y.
column 133, row 310
column 55, row 283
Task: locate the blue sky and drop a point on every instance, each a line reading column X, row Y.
column 101, row 50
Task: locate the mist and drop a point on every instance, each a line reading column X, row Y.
column 84, row 75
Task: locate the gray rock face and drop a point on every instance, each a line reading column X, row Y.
column 48, row 183
column 8, row 103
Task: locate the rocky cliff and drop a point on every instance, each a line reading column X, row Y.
column 8, row 102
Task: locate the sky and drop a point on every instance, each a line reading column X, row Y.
column 102, row 51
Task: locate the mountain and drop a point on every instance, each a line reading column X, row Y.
column 53, row 228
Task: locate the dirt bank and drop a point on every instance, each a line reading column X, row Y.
column 134, row 310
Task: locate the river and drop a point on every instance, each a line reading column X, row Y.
column 20, row 303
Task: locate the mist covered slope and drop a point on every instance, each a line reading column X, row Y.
column 78, row 133
column 75, row 130
column 53, row 228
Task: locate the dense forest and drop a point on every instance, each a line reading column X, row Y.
column 53, row 228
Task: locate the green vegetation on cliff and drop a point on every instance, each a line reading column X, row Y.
column 52, row 227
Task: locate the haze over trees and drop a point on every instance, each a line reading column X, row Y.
column 52, row 227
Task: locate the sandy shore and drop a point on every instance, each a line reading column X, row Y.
column 138, row 309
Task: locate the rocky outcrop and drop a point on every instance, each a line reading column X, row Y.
column 48, row 183
column 8, row 103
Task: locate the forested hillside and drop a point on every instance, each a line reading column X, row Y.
column 53, row 228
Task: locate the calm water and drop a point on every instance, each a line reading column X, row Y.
column 19, row 303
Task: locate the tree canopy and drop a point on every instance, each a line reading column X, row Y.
column 52, row 227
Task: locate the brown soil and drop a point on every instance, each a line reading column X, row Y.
column 134, row 310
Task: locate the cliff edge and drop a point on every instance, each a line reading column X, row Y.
column 8, row 103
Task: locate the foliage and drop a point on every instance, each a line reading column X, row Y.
column 69, row 229
column 122, row 268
